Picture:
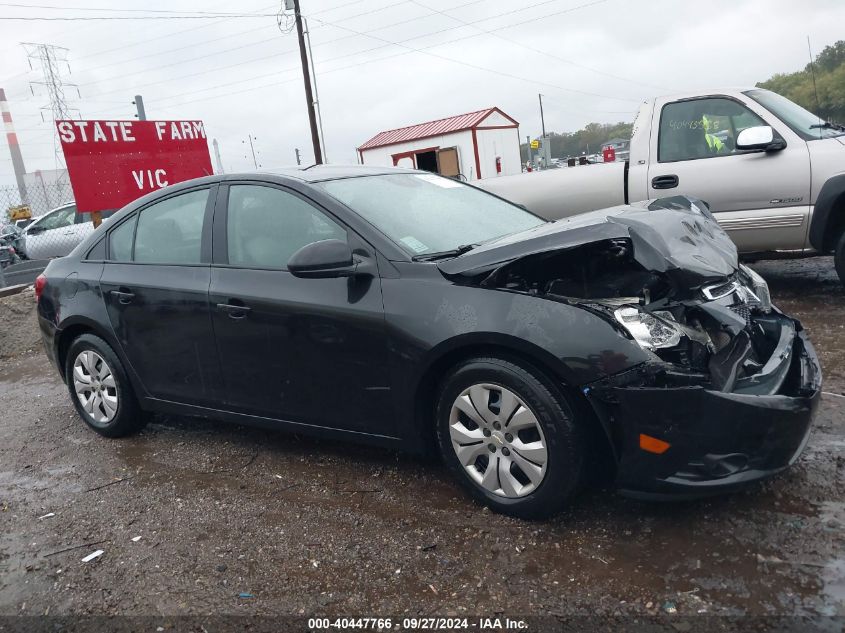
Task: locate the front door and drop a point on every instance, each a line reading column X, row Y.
column 155, row 287
column 760, row 199
column 310, row 351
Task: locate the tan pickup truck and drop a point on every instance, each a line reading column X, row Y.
column 772, row 172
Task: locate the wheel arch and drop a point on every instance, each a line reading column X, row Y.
column 450, row 353
column 828, row 215
column 77, row 325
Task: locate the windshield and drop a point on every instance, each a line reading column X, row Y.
column 803, row 122
column 426, row 213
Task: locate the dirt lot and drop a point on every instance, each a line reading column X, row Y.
column 242, row 521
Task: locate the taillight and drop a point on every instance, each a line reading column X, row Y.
column 40, row 283
column 12, row 250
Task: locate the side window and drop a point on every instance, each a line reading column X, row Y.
column 59, row 219
column 170, row 231
column 97, row 252
column 702, row 128
column 120, row 241
column 267, row 225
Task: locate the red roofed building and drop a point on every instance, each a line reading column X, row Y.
column 481, row 144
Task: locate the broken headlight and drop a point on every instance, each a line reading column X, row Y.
column 650, row 331
column 758, row 286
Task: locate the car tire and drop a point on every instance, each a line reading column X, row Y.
column 839, row 258
column 533, row 438
column 100, row 389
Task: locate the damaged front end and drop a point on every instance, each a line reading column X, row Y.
column 732, row 384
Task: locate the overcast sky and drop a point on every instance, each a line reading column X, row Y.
column 383, row 64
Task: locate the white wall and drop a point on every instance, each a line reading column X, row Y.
column 503, row 143
column 462, row 140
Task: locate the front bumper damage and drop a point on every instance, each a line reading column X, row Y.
column 719, row 438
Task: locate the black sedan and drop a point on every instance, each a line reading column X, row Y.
column 411, row 311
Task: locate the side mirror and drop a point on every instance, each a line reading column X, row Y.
column 759, row 139
column 326, row 258
column 35, row 230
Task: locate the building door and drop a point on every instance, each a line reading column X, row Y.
column 447, row 162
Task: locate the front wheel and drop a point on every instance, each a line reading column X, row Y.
column 100, row 389
column 510, row 437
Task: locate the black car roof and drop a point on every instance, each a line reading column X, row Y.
column 318, row 173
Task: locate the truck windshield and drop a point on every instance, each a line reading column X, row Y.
column 803, row 122
column 426, row 214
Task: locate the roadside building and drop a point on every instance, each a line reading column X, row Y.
column 482, row 144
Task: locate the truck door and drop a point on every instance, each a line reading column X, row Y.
column 760, row 199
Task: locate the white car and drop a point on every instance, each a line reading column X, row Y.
column 56, row 233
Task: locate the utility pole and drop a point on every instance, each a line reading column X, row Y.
column 316, row 92
column 306, row 76
column 252, row 149
column 547, row 150
column 542, row 118
column 139, row 107
column 298, row 158
column 217, row 156
column 528, row 148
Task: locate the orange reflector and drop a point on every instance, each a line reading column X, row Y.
column 653, row 445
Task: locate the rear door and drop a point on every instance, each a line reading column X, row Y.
column 311, row 351
column 155, row 286
column 760, row 199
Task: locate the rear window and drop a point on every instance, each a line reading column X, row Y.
column 120, row 241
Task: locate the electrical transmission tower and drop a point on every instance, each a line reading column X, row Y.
column 52, row 61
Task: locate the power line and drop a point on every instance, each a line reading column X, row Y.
column 531, row 48
column 146, row 17
column 410, row 50
column 387, row 44
column 484, row 68
column 107, row 9
column 161, row 37
column 249, row 44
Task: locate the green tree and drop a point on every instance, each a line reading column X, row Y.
column 830, row 84
column 587, row 140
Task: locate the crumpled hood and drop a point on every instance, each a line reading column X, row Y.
column 677, row 236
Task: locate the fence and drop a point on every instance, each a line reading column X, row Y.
column 53, row 236
column 40, row 196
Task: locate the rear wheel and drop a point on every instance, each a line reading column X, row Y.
column 510, row 437
column 100, row 389
column 839, row 258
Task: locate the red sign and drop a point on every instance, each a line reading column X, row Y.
column 112, row 163
column 608, row 154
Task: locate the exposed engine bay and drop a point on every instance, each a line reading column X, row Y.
column 673, row 284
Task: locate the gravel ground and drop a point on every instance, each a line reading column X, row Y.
column 18, row 326
column 236, row 520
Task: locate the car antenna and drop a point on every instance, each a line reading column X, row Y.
column 310, row 166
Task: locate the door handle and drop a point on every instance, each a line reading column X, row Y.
column 669, row 181
column 122, row 297
column 233, row 310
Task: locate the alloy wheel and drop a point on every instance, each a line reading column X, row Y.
column 498, row 440
column 95, row 387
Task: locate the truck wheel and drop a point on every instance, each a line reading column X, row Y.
column 839, row 258
column 509, row 437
